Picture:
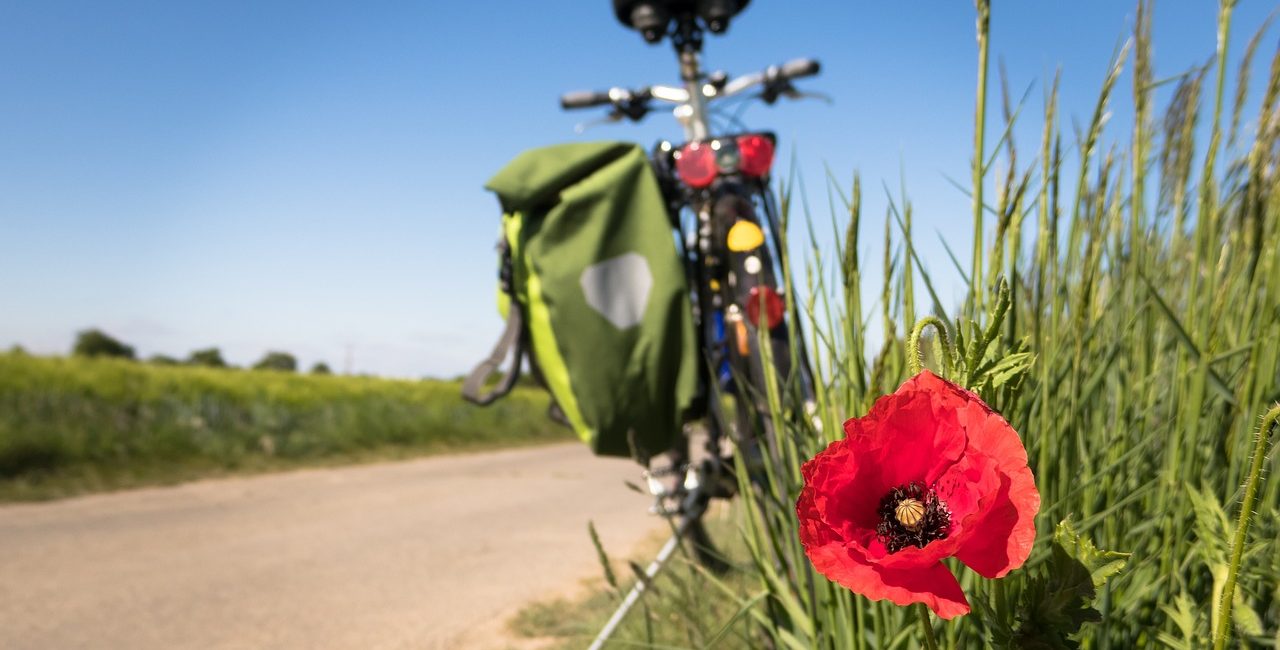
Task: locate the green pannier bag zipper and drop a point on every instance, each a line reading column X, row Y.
column 594, row 293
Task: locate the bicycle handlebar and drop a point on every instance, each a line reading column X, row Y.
column 797, row 68
column 584, row 99
column 773, row 78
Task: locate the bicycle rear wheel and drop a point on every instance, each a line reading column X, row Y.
column 765, row 347
column 747, row 341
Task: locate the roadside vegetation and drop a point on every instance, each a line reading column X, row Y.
column 677, row 613
column 1123, row 314
column 80, row 424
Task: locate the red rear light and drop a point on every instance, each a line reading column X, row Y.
column 757, row 154
column 773, row 307
column 696, row 164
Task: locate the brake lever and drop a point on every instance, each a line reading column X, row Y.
column 718, row 79
column 634, row 109
column 775, row 89
column 614, row 116
column 797, row 94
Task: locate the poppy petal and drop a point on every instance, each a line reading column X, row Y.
column 936, row 433
column 907, row 435
column 932, row 585
column 1008, row 526
column 1007, row 530
column 842, row 489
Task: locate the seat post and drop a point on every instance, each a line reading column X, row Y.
column 687, row 39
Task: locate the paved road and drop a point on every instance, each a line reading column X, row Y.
column 431, row 553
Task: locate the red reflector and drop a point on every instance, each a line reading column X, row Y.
column 757, row 154
column 773, row 307
column 696, row 164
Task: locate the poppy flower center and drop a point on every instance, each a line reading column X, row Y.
column 911, row 515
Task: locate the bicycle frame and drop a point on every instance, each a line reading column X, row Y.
column 711, row 269
column 719, row 277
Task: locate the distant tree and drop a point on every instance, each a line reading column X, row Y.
column 321, row 368
column 162, row 360
column 17, row 350
column 96, row 343
column 211, row 357
column 277, row 361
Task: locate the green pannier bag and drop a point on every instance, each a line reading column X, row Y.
column 594, row 293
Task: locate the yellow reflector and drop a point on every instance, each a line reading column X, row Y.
column 745, row 236
column 744, row 343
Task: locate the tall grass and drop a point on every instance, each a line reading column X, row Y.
column 71, row 424
column 1144, row 283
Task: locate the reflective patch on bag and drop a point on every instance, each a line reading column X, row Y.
column 618, row 288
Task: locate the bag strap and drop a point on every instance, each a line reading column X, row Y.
column 513, row 336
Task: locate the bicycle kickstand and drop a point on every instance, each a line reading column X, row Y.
column 650, row 573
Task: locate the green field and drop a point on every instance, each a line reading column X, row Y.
column 70, row 425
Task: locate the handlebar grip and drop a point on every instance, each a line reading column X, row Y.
column 797, row 68
column 584, row 99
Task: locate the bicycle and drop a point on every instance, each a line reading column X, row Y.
column 719, row 199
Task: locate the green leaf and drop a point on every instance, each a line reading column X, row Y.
column 1058, row 598
column 641, row 576
column 1101, row 564
column 1009, row 368
column 1189, row 623
column 1247, row 621
column 605, row 564
column 729, row 623
column 1212, row 527
column 1215, row 381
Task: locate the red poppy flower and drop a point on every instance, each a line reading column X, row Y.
column 931, row 472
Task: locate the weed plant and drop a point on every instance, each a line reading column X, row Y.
column 1136, row 348
column 73, row 424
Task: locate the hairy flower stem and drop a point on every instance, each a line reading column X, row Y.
column 915, row 357
column 1260, row 449
column 929, row 641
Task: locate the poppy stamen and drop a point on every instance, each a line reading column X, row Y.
column 911, row 515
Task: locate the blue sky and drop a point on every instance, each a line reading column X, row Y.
column 308, row 176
